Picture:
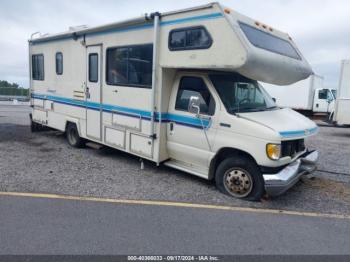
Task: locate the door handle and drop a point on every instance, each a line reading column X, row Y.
column 87, row 92
column 171, row 128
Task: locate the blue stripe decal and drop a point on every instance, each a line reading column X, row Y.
column 298, row 132
column 95, row 106
column 146, row 115
column 195, row 122
column 140, row 27
column 131, row 112
column 192, row 18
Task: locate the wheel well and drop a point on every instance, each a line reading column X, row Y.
column 223, row 154
column 71, row 123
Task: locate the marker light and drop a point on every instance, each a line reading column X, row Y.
column 273, row 151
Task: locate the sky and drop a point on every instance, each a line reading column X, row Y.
column 320, row 28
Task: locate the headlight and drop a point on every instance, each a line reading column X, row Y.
column 273, row 151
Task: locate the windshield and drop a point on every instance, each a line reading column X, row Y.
column 240, row 94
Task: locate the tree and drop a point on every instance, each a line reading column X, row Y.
column 4, row 83
column 12, row 89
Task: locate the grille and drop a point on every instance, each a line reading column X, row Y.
column 293, row 147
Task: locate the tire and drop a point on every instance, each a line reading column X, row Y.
column 34, row 127
column 240, row 177
column 331, row 118
column 73, row 137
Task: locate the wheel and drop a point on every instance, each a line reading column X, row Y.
column 34, row 127
column 73, row 137
column 331, row 118
column 240, row 177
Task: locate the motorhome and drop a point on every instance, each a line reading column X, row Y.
column 308, row 96
column 180, row 89
column 341, row 115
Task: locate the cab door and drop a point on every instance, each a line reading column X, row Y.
column 93, row 92
column 190, row 136
column 323, row 101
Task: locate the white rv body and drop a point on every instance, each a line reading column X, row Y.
column 308, row 95
column 342, row 108
column 143, row 119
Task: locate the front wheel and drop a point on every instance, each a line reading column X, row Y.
column 240, row 177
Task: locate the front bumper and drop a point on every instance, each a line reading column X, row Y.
column 276, row 184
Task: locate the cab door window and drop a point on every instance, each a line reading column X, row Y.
column 323, row 94
column 194, row 86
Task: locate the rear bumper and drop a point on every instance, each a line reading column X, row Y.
column 276, row 184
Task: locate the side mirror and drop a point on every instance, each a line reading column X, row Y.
column 194, row 105
column 274, row 99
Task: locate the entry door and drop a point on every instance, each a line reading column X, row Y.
column 93, row 92
column 187, row 138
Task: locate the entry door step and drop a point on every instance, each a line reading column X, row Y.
column 94, row 145
column 189, row 168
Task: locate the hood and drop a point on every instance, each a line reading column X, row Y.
column 286, row 122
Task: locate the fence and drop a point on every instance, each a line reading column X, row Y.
column 10, row 91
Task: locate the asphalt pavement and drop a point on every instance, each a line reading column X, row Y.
column 57, row 226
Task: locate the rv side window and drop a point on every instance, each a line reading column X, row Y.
column 189, row 38
column 38, row 67
column 93, row 67
column 194, row 86
column 268, row 41
column 130, row 65
column 59, row 63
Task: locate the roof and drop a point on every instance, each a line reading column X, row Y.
column 145, row 21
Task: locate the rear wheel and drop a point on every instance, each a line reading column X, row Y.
column 240, row 177
column 73, row 137
column 34, row 127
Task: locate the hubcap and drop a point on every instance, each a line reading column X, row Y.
column 238, row 182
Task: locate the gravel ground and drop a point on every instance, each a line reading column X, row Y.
column 43, row 162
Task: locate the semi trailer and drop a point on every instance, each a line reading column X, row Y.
column 341, row 114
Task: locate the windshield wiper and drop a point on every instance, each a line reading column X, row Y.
column 271, row 107
column 248, row 109
column 255, row 108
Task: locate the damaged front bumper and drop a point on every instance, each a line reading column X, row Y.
column 276, row 184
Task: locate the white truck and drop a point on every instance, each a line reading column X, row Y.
column 341, row 115
column 179, row 89
column 307, row 96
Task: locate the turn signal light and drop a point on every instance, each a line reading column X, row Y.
column 273, row 151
